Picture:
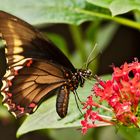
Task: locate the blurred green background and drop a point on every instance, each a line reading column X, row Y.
column 75, row 26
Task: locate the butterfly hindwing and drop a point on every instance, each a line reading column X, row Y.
column 26, row 87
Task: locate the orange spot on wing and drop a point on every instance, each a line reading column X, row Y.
column 20, row 108
column 16, row 72
column 9, row 94
column 32, row 105
column 29, row 63
column 9, row 83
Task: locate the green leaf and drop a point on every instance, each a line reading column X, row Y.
column 129, row 133
column 123, row 6
column 46, row 117
column 3, row 112
column 117, row 7
column 101, row 3
column 47, row 11
column 115, row 10
column 65, row 11
column 137, row 15
column 70, row 134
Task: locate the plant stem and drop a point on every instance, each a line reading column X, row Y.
column 79, row 42
column 120, row 20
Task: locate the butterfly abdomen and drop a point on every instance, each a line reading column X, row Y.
column 62, row 101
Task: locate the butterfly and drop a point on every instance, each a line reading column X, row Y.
column 35, row 69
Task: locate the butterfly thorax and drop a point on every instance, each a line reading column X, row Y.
column 77, row 78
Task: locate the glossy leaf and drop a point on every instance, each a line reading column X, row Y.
column 117, row 7
column 46, row 117
column 46, row 11
column 129, row 133
column 101, row 3
column 70, row 134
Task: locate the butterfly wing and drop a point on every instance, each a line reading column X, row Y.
column 27, row 85
column 24, row 41
column 24, row 89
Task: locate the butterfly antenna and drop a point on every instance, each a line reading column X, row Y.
column 92, row 60
column 77, row 97
column 88, row 59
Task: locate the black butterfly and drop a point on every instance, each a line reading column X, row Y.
column 35, row 67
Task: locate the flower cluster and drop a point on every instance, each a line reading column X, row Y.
column 122, row 95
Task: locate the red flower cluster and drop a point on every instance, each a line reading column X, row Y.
column 122, row 94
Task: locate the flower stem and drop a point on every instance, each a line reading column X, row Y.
column 106, row 117
column 103, row 124
column 105, row 108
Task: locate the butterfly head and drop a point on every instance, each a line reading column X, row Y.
column 84, row 74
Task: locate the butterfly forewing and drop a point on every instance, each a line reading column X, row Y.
column 22, row 40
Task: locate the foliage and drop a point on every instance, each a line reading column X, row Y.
column 74, row 13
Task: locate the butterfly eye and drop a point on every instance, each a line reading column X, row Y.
column 89, row 72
